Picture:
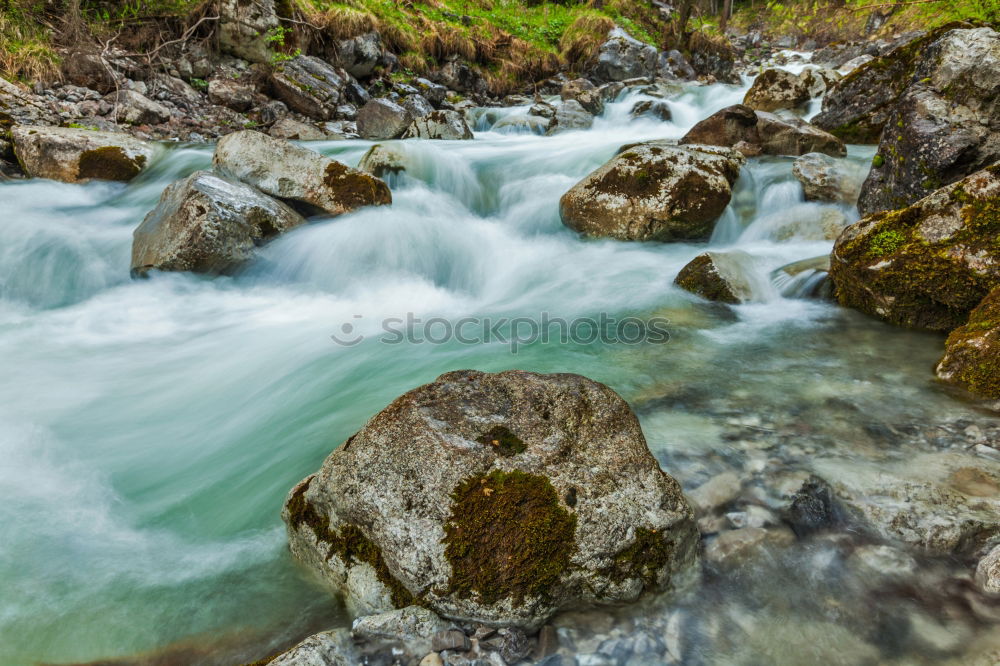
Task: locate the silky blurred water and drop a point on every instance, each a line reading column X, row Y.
column 149, row 430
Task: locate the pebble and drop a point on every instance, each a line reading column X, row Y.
column 715, row 493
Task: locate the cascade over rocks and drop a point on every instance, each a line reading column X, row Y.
column 719, row 276
column 76, row 155
column 310, row 86
column 926, row 266
column 495, row 498
column 207, row 224
column 654, row 192
column 972, row 353
column 382, row 119
column 448, row 125
column 301, row 177
column 827, row 179
column 755, row 132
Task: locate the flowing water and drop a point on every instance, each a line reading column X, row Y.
column 149, row 430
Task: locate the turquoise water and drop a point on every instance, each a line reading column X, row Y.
column 149, row 430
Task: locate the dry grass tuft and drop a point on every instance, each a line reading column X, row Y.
column 580, row 42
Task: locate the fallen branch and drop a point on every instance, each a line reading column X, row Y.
column 183, row 38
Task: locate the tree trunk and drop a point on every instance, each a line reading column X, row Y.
column 727, row 9
column 684, row 14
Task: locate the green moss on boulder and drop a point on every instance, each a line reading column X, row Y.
column 972, row 353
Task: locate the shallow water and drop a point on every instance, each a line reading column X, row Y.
column 150, row 429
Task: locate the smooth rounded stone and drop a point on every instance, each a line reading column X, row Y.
column 359, row 55
column 329, row 648
column 808, row 221
column 759, row 132
column 624, row 57
column 417, row 105
column 244, row 28
column 76, row 155
column 488, row 498
column 880, row 561
column 928, row 265
column 383, row 160
column 921, row 502
column 294, row 130
column 654, row 192
column 516, row 124
column 382, row 119
column 231, row 94
column 652, row 109
column 584, row 92
column 736, row 547
column 825, row 178
column 725, row 277
column 296, row 174
column 450, row 639
column 972, row 352
column 311, row 86
column 444, row 125
column 715, row 493
column 206, row 224
column 776, row 89
column 135, row 108
column 570, row 115
column 988, row 573
column 412, row 625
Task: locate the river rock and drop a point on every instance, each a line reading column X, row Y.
column 945, row 126
column 310, row 86
column 459, row 76
column 447, row 125
column 330, row 648
column 777, row 89
column 244, row 28
column 715, row 493
column 135, row 108
column 717, row 276
column 382, row 119
column 230, row 93
column 570, row 115
column 75, row 155
column 206, row 224
column 299, row 176
column 623, row 57
column 383, row 160
column 988, row 573
column 652, row 109
column 495, row 498
column 20, row 107
column 940, row 503
column 928, row 265
column 359, row 55
column 295, row 130
column 735, row 547
column 417, row 105
column 756, row 132
column 972, row 352
column 825, row 178
column 654, row 191
column 435, row 93
column 412, row 625
column 584, row 92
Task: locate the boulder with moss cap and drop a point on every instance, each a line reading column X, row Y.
column 928, row 265
column 495, row 498
column 755, row 132
column 76, row 155
column 972, row 353
column 654, row 192
column 303, row 178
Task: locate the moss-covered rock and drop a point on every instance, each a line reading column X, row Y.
column 928, row 265
column 717, row 276
column 76, row 155
column 776, row 89
column 972, row 353
column 756, row 132
column 654, row 192
column 498, row 498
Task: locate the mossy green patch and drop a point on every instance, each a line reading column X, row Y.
column 353, row 189
column 505, row 442
column 349, row 544
column 109, row 163
column 885, row 242
column 508, row 537
column 644, row 558
column 972, row 357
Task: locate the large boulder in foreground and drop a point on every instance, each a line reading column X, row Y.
column 207, row 224
column 495, row 498
column 945, row 126
column 755, row 132
column 303, row 178
column 928, row 265
column 654, row 192
column 77, row 155
column 972, row 353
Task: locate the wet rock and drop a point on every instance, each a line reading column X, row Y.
column 570, row 115
column 623, row 57
column 542, row 110
column 383, row 160
column 231, row 94
column 415, row 626
column 654, row 191
column 824, row 178
column 652, row 109
column 807, row 278
column 736, row 547
column 972, row 352
column 417, row 105
column 458, row 494
column 299, row 176
column 926, row 266
column 764, row 132
column 916, row 502
column 330, row 648
column 521, row 124
column 812, row 508
column 382, row 119
column 206, row 224
column 548, row 642
column 584, row 92
column 718, row 276
column 294, row 130
column 451, row 639
column 673, row 65
column 777, row 89
column 715, row 493
column 359, row 55
column 310, row 86
column 137, row 109
column 988, row 573
column 446, row 125
column 75, row 155
column 511, row 644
